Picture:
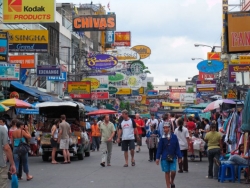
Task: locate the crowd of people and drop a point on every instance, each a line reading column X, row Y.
column 168, row 139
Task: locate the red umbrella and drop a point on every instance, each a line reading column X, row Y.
column 101, row 111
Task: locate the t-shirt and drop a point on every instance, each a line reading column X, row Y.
column 140, row 122
column 106, row 130
column 128, row 129
column 65, row 127
column 182, row 137
column 213, row 139
column 207, row 127
column 190, row 126
column 3, row 142
column 150, row 122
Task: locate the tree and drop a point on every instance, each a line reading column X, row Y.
column 150, row 86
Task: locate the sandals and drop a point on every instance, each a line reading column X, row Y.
column 102, row 164
column 28, row 179
column 133, row 163
column 126, row 165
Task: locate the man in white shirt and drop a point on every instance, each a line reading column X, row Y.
column 152, row 121
column 128, row 129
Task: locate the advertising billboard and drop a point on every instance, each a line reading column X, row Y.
column 124, row 54
column 99, row 95
column 9, row 71
column 4, row 46
column 238, row 32
column 244, row 59
column 101, row 61
column 206, row 86
column 236, row 68
column 95, row 23
column 122, row 38
column 62, row 78
column 80, row 90
column 48, row 70
column 187, row 97
column 26, row 61
column 110, row 37
column 213, row 55
column 27, row 11
column 28, row 41
column 142, row 50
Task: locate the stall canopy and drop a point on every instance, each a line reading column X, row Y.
column 90, row 109
column 171, row 104
column 199, row 106
column 42, row 97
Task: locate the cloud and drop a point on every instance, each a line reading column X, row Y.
column 188, row 2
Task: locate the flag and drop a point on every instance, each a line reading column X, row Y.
column 108, row 5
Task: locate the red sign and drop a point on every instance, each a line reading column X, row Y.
column 213, row 55
column 204, row 76
column 178, row 89
column 99, row 95
column 174, row 96
column 79, row 96
column 122, row 39
column 26, row 61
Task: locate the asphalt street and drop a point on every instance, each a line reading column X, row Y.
column 89, row 174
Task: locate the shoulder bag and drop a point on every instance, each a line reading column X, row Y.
column 170, row 158
column 23, row 147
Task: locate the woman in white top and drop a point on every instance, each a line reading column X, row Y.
column 53, row 140
column 183, row 137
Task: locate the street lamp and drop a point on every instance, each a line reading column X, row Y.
column 195, row 58
column 204, row 45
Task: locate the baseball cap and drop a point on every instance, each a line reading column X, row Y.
column 166, row 124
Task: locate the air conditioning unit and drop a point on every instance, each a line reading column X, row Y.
column 242, row 78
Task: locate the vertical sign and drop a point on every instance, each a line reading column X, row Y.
column 4, row 46
column 223, row 38
column 110, row 37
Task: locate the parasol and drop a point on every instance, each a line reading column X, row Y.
column 101, row 112
column 245, row 127
column 16, row 103
column 217, row 104
column 3, row 108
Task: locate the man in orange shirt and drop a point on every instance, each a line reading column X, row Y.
column 140, row 126
column 95, row 132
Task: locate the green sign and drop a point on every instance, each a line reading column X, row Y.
column 112, row 90
column 136, row 67
column 117, row 77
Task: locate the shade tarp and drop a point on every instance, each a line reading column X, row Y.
column 201, row 105
column 51, row 104
column 245, row 127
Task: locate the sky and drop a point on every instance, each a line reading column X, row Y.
column 170, row 28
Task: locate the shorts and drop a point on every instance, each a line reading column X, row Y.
column 64, row 143
column 167, row 166
column 128, row 144
column 4, row 177
column 139, row 142
column 53, row 143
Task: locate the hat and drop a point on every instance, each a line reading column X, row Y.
column 166, row 124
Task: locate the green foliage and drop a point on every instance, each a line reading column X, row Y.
column 150, row 86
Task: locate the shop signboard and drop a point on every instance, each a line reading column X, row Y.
column 141, row 90
column 110, row 37
column 177, row 89
column 4, row 47
column 206, row 86
column 135, row 92
column 152, row 93
column 79, row 90
column 122, row 38
column 232, row 94
column 244, row 59
column 124, row 91
column 112, row 90
column 101, row 61
column 27, row 11
column 134, row 82
column 9, row 71
column 48, row 70
column 99, row 95
column 95, row 23
column 238, row 32
column 142, row 50
column 26, row 61
column 94, row 83
column 61, row 78
column 213, row 55
column 101, row 73
column 117, row 77
column 103, row 80
column 137, row 67
column 134, row 98
column 236, row 68
column 187, row 97
column 124, row 54
column 205, row 76
column 30, row 41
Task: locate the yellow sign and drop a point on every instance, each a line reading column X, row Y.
column 143, row 99
column 225, row 64
column 28, row 36
column 141, row 90
column 244, row 59
column 142, row 50
column 94, row 83
column 123, row 91
column 79, row 87
column 232, row 94
column 29, row 11
column 234, row 61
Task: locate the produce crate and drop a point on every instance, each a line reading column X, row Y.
column 45, row 141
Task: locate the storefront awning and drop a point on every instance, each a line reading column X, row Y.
column 42, row 97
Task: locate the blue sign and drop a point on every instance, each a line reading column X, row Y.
column 4, row 46
column 28, row 111
column 34, row 48
column 152, row 93
column 110, row 37
column 48, row 70
column 210, row 66
column 135, row 92
column 62, row 78
column 23, row 75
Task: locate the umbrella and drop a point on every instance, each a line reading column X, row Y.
column 217, row 104
column 16, row 103
column 3, row 108
column 101, row 111
column 245, row 127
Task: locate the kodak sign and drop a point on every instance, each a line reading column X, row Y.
column 95, row 23
column 213, row 55
column 28, row 11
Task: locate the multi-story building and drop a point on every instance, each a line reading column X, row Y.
column 245, row 5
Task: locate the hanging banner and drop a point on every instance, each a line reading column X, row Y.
column 79, row 90
column 4, row 47
column 122, row 38
column 48, row 70
column 27, row 11
column 26, row 61
column 9, row 71
column 142, row 50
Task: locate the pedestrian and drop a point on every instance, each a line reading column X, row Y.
column 183, row 138
column 128, row 130
column 168, row 150
column 215, row 148
column 151, row 121
column 21, row 135
column 5, row 150
column 140, row 127
column 54, row 140
column 2, row 123
column 95, row 133
column 64, row 133
column 33, row 144
column 152, row 143
column 107, row 130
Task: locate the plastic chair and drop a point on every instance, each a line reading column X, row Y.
column 240, row 167
column 226, row 172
